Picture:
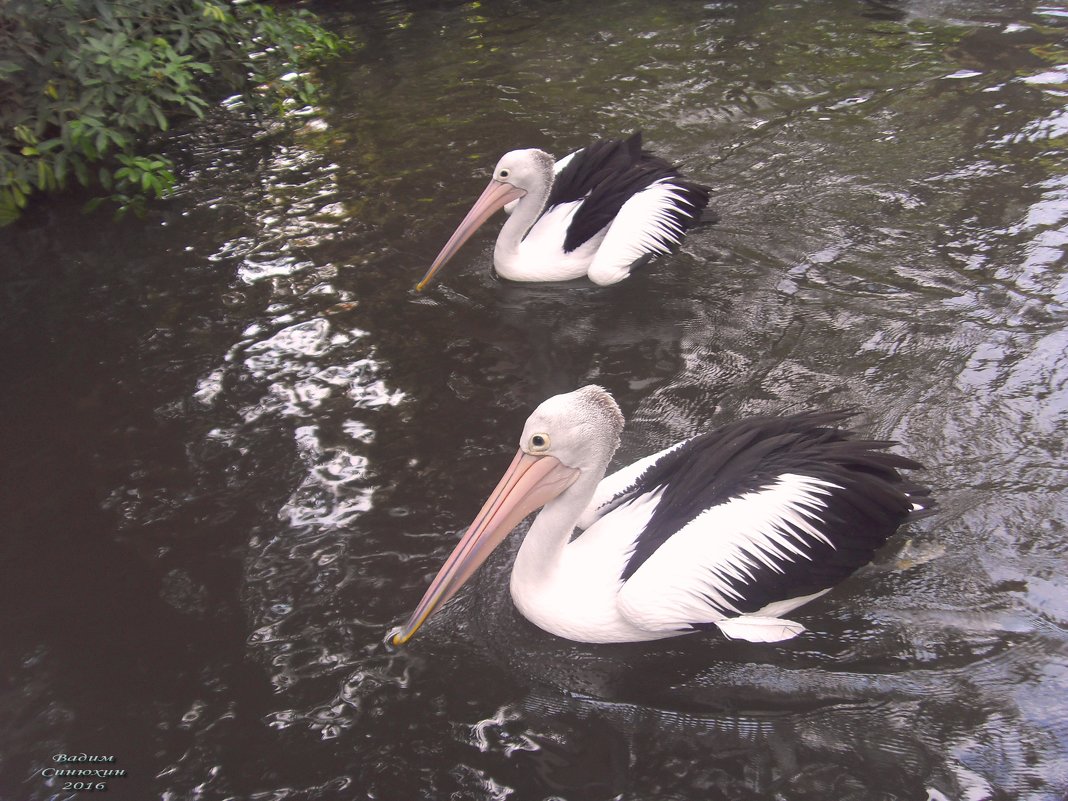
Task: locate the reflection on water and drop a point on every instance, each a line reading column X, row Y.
column 239, row 444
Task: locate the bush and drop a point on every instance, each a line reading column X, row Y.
column 84, row 82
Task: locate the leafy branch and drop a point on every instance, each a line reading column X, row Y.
column 83, row 83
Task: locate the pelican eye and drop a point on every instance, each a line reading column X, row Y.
column 503, row 174
column 539, row 443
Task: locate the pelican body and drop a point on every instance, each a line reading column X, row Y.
column 731, row 529
column 596, row 213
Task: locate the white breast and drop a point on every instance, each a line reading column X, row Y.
column 540, row 255
column 579, row 598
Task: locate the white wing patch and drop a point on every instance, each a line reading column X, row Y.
column 610, row 486
column 644, row 225
column 693, row 577
column 564, row 161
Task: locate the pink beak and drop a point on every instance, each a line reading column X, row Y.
column 529, row 483
column 495, row 196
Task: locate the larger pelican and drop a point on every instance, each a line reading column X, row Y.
column 597, row 213
column 731, row 529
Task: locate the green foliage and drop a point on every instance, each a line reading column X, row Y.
column 83, row 83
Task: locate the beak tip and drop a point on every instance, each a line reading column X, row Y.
column 395, row 639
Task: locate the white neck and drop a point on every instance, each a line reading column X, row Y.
column 541, row 555
column 571, row 589
column 523, row 216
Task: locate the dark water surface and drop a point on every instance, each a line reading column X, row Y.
column 236, row 445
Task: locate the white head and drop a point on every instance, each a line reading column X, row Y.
column 517, row 174
column 568, row 439
column 581, row 429
column 529, row 170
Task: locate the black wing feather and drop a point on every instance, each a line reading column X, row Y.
column 607, row 174
column 869, row 501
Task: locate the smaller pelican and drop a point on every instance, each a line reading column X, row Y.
column 731, row 529
column 597, row 213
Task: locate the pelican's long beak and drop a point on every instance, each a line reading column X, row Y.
column 497, row 195
column 530, row 483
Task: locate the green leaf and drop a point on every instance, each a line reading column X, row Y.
column 96, row 76
column 8, row 213
column 160, row 118
column 25, row 134
column 60, row 168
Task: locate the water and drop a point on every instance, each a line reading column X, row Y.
column 237, row 444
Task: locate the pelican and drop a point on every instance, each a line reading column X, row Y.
column 731, row 529
column 598, row 213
